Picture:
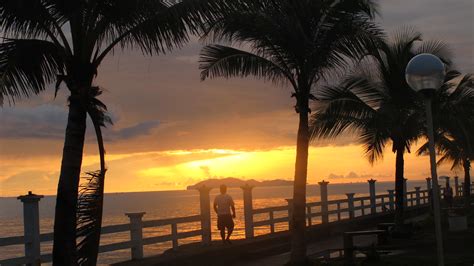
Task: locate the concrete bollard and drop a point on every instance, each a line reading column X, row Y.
column 31, row 227
column 248, row 211
column 323, row 186
column 350, row 204
column 373, row 200
column 391, row 198
column 205, row 206
column 136, row 234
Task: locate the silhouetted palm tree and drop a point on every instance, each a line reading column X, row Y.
column 454, row 119
column 292, row 43
column 376, row 104
column 50, row 41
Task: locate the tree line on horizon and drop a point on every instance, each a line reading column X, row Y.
column 346, row 75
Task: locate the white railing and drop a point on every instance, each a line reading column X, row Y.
column 32, row 239
column 325, row 209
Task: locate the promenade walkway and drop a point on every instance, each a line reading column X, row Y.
column 271, row 250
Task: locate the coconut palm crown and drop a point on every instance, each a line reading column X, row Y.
column 376, row 104
column 49, row 42
column 454, row 122
column 293, row 44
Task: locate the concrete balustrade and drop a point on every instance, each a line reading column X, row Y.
column 350, row 204
column 248, row 208
column 405, row 194
column 456, row 186
column 31, row 227
column 391, row 198
column 205, row 206
column 323, row 186
column 373, row 201
column 136, row 234
column 138, row 240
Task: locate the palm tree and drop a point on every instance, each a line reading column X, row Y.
column 454, row 117
column 293, row 43
column 60, row 41
column 376, row 104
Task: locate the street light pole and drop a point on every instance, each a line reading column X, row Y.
column 425, row 73
column 434, row 178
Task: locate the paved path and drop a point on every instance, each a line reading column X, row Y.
column 334, row 242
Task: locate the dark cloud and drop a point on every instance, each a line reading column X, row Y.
column 220, row 113
column 49, row 122
column 140, row 129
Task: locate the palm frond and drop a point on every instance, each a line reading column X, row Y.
column 89, row 217
column 27, row 66
column 152, row 26
column 223, row 61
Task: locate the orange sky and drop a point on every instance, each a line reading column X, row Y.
column 171, row 130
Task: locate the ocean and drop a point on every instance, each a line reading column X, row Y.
column 169, row 204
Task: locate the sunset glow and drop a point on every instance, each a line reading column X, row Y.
column 176, row 169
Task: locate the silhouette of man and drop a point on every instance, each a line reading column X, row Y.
column 223, row 204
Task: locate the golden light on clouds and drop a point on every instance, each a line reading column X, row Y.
column 176, row 169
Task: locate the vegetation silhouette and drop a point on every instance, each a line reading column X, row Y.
column 56, row 41
column 297, row 44
column 376, row 104
column 454, row 118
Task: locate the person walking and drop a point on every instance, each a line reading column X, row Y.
column 223, row 205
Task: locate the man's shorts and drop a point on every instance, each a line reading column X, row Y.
column 225, row 221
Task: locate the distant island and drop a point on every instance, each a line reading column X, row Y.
column 235, row 182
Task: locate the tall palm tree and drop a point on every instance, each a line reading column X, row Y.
column 60, row 41
column 376, row 104
column 454, row 120
column 292, row 43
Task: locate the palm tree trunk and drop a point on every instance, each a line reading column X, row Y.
column 467, row 183
column 298, row 244
column 64, row 248
column 399, row 182
column 96, row 241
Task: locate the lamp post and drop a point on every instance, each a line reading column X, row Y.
column 425, row 74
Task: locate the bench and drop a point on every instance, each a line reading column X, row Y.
column 348, row 238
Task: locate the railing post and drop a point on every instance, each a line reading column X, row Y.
column 290, row 213
column 31, row 227
column 272, row 224
column 429, row 188
column 248, row 211
column 405, row 195
column 136, row 234
column 350, row 204
column 205, row 205
column 373, row 201
column 417, row 195
column 391, row 199
column 174, row 234
column 308, row 213
column 323, row 186
column 456, row 186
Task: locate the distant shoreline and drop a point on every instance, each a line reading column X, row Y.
column 185, row 189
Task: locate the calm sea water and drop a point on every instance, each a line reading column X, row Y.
column 167, row 204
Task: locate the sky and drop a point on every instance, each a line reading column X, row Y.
column 172, row 130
